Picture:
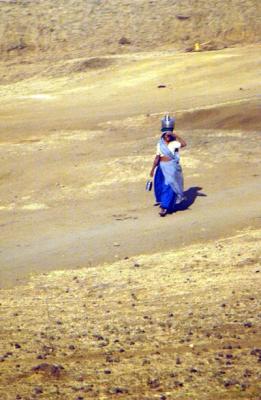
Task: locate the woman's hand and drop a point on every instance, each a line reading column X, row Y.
column 152, row 173
column 180, row 140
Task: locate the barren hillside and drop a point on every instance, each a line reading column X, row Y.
column 181, row 325
column 89, row 27
column 100, row 298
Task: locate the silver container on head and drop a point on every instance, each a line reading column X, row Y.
column 167, row 122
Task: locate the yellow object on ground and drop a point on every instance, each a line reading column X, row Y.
column 197, row 47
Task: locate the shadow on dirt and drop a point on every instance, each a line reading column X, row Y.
column 191, row 194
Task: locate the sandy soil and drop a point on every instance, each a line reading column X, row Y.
column 76, row 152
column 76, row 146
column 184, row 324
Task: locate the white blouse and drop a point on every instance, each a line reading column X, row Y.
column 173, row 146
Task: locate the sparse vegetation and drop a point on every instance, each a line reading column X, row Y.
column 70, row 28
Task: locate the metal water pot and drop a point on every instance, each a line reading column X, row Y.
column 167, row 122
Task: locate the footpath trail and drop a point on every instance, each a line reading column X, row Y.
column 132, row 233
column 76, row 151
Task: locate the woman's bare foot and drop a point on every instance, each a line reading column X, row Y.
column 163, row 212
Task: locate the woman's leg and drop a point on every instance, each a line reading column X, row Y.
column 158, row 182
column 164, row 193
column 167, row 200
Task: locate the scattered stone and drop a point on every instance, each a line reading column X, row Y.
column 72, row 347
column 53, row 370
column 248, row 324
column 88, row 388
column 118, row 390
column 38, row 390
column 161, row 86
column 230, row 382
column 48, row 349
column 153, row 383
column 229, row 356
column 104, row 343
column 98, row 337
column 112, row 359
column 244, row 386
column 178, row 361
column 133, row 295
column 124, row 41
column 221, row 372
column 17, row 346
column 228, row 347
column 256, row 352
column 182, row 17
column 41, row 357
column 247, row 373
column 178, row 384
column 107, row 371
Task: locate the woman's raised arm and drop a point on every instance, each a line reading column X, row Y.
column 180, row 140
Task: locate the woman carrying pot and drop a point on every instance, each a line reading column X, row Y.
column 168, row 179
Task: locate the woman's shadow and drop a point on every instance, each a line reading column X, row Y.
column 190, row 196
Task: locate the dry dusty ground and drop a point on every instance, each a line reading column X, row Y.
column 76, row 145
column 177, row 325
column 76, row 151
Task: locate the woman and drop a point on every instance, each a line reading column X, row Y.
column 168, row 180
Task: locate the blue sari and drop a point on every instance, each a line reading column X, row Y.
column 168, row 180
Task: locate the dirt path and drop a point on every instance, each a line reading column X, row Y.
column 133, row 233
column 72, row 190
